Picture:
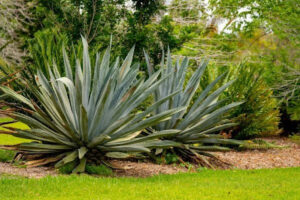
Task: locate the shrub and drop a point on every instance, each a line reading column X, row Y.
column 259, row 115
column 88, row 114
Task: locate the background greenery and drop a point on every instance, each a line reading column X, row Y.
column 262, row 35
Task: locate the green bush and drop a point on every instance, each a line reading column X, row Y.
column 259, row 115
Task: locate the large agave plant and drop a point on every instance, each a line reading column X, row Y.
column 201, row 118
column 88, row 113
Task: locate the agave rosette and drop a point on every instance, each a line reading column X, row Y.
column 88, row 110
column 201, row 118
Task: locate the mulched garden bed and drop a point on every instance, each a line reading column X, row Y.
column 289, row 156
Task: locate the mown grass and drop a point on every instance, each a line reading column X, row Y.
column 210, row 185
column 6, row 155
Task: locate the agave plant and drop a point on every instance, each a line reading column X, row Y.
column 75, row 117
column 201, row 118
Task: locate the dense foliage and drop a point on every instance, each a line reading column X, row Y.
column 259, row 115
column 263, row 34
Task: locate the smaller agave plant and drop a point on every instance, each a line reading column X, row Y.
column 87, row 114
column 200, row 120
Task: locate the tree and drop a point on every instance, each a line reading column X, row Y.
column 94, row 19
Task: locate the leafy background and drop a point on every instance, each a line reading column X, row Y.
column 254, row 39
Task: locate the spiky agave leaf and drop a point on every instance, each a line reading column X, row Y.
column 90, row 110
column 200, row 120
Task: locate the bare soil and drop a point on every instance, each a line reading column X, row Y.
column 250, row 159
column 145, row 169
column 34, row 172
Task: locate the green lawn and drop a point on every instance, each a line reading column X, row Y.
column 6, row 155
column 234, row 185
column 7, row 139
